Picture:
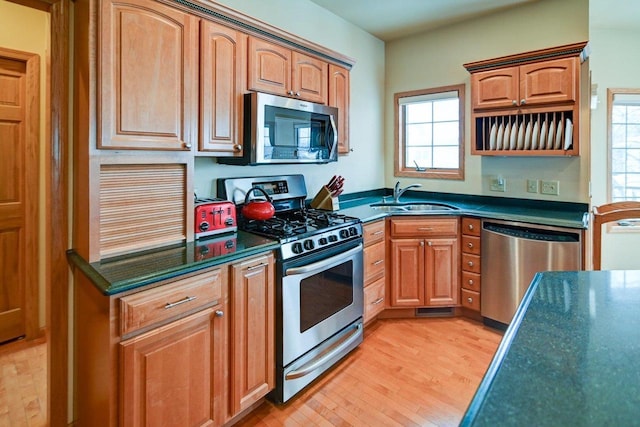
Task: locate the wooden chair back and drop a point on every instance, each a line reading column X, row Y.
column 609, row 212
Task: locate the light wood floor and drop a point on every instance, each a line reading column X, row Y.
column 23, row 384
column 416, row 372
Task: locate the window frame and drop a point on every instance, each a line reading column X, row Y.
column 611, row 92
column 400, row 169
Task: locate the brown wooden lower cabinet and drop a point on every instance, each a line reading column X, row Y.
column 193, row 351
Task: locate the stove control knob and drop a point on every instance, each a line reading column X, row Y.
column 333, row 238
column 323, row 241
column 204, row 226
column 308, row 244
column 353, row 231
column 297, row 248
column 344, row 233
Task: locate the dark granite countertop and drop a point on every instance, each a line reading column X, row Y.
column 123, row 273
column 571, row 356
column 543, row 212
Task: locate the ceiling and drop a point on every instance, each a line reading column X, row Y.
column 393, row 19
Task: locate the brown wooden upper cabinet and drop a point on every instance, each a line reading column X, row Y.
column 531, row 84
column 339, row 97
column 282, row 71
column 148, row 76
column 223, row 70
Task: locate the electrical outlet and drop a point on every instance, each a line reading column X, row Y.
column 532, row 186
column 551, row 188
column 498, row 184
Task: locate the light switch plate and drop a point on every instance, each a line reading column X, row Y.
column 532, row 186
column 498, row 184
column 551, row 188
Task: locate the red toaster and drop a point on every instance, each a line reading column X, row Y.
column 214, row 216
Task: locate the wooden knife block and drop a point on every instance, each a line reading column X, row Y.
column 324, row 201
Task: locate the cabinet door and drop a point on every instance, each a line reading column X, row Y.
column 339, row 87
column 549, row 81
column 252, row 331
column 148, row 75
column 407, row 274
column 170, row 376
column 223, row 79
column 269, row 67
column 495, row 88
column 442, row 266
column 309, row 78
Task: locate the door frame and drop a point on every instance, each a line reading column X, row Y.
column 57, row 155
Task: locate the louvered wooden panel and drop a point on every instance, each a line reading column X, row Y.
column 141, row 207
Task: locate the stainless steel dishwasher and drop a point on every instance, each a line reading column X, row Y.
column 512, row 252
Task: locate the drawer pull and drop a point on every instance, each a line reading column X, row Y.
column 253, row 267
column 377, row 233
column 378, row 262
column 425, row 228
column 469, row 300
column 470, row 245
column 378, row 301
column 219, row 313
column 182, row 301
column 471, row 281
column 470, row 263
column 471, row 225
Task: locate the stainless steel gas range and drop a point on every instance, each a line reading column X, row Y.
column 319, row 289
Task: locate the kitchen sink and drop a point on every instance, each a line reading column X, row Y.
column 413, row 207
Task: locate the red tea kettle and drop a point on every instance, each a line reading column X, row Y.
column 258, row 209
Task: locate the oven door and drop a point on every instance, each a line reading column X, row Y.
column 320, row 297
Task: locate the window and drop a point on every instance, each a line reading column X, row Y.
column 624, row 144
column 430, row 133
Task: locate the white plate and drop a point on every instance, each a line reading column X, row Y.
column 527, row 137
column 492, row 137
column 520, row 145
column 534, row 136
column 505, row 137
column 543, row 136
column 550, row 135
column 513, row 139
column 568, row 134
column 499, row 137
column 558, row 142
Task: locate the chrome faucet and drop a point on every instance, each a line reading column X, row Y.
column 397, row 191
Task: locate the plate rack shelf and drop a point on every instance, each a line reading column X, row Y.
column 528, row 104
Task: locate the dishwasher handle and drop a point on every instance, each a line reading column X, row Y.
column 532, row 233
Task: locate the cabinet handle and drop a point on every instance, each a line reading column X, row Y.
column 378, row 262
column 377, row 233
column 187, row 145
column 422, row 243
column 471, row 281
column 237, row 147
column 470, row 245
column 469, row 300
column 253, row 267
column 182, row 301
column 298, row 94
column 523, row 101
column 378, row 301
column 219, row 313
column 514, row 102
column 470, row 263
column 429, row 243
column 470, row 226
column 290, row 92
column 425, row 229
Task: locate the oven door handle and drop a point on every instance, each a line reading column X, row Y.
column 322, row 264
column 315, row 364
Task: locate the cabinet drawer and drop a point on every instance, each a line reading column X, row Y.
column 471, row 263
column 374, row 261
column 470, row 299
column 155, row 305
column 421, row 227
column 373, row 299
column 471, row 244
column 471, row 281
column 471, row 226
column 373, row 232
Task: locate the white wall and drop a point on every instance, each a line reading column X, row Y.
column 363, row 168
column 614, row 64
column 436, row 58
column 26, row 29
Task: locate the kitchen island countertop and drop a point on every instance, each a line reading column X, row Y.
column 569, row 357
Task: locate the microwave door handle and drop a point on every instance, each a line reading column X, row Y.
column 320, row 265
column 334, row 130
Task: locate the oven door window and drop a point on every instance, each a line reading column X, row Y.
column 324, row 294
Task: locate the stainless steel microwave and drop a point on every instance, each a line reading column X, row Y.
column 286, row 130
